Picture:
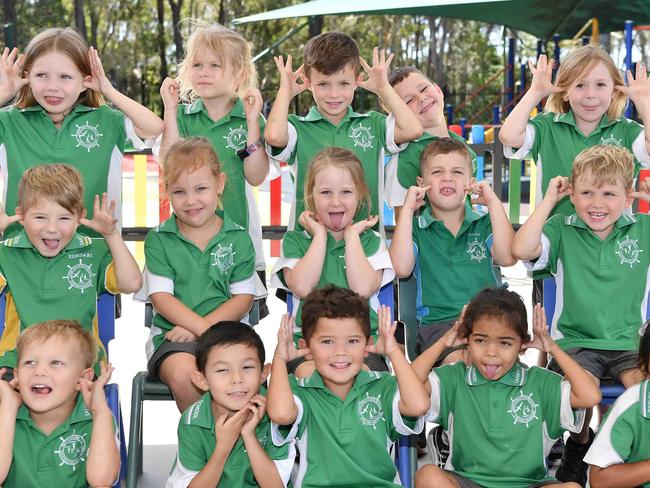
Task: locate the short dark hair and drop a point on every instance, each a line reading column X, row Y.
column 498, row 303
column 330, row 52
column 445, row 145
column 333, row 302
column 644, row 349
column 227, row 333
column 398, row 75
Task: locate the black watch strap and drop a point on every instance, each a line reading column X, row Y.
column 248, row 150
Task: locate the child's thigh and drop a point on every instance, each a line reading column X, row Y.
column 431, row 476
column 177, row 367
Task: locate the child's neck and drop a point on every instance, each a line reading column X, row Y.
column 337, row 235
column 48, row 421
column 57, row 119
column 219, row 107
column 201, row 236
column 452, row 219
column 333, row 120
column 340, row 391
column 586, row 127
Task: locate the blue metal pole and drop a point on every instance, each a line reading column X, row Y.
column 628, row 59
column 540, row 47
column 463, row 127
column 496, row 115
column 450, row 113
column 510, row 85
column 556, row 53
column 522, row 78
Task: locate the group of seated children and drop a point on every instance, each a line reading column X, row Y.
column 331, row 395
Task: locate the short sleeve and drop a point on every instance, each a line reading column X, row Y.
column 380, row 260
column 287, row 153
column 389, row 130
column 107, row 281
column 435, row 396
column 155, row 257
column 190, row 453
column 244, row 267
column 570, row 419
column 639, row 148
column 405, row 425
column 526, row 150
column 138, row 143
column 550, row 242
column 408, row 168
column 394, row 192
column 292, row 250
column 284, row 434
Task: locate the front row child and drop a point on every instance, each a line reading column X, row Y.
column 600, row 244
column 51, row 434
column 333, row 248
column 200, row 266
column 502, row 417
column 224, row 439
column 48, row 269
column 451, row 247
column 344, row 419
column 620, row 453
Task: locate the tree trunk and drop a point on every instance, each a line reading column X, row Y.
column 222, row 12
column 315, row 26
column 79, row 18
column 176, row 19
column 9, row 10
column 161, row 39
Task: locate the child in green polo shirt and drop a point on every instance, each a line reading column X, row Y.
column 344, row 419
column 332, row 72
column 620, row 452
column 451, row 248
column 593, row 255
column 52, row 435
column 333, row 249
column 224, row 439
column 501, row 416
column 60, row 114
column 199, row 266
column 48, row 269
column 584, row 107
column 425, row 99
column 217, row 78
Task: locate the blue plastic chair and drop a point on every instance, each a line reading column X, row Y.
column 610, row 392
column 106, row 315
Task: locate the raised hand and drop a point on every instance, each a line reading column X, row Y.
column 542, row 76
column 358, row 228
column 257, row 409
column 93, row 391
column 386, row 342
column 97, row 81
column 643, row 193
column 378, row 72
column 7, row 220
column 10, row 400
column 227, row 429
column 103, row 221
column 638, row 86
column 11, row 71
column 169, row 92
column 288, row 78
column 541, row 338
column 311, row 223
column 253, row 101
column 482, row 193
column 286, row 349
column 180, row 334
column 415, row 197
column 558, row 188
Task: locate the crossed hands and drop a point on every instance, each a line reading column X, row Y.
column 228, row 428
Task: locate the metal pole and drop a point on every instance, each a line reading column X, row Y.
column 540, row 50
column 628, row 59
column 510, row 74
column 556, row 53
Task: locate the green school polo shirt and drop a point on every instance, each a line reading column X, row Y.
column 295, row 245
column 451, row 270
column 65, row 286
column 227, row 136
column 346, row 443
column 500, row 431
column 404, row 167
column 202, row 280
column 367, row 135
column 58, row 459
column 197, row 441
column 553, row 141
column 602, row 285
column 624, row 434
column 90, row 139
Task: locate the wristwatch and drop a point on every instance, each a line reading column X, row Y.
column 248, row 150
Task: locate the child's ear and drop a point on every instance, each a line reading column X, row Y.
column 19, row 212
column 84, row 214
column 570, row 192
column 266, row 370
column 629, row 198
column 419, row 180
column 302, row 344
column 221, row 182
column 199, row 380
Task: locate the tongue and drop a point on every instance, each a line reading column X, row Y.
column 336, row 220
column 490, row 371
column 41, row 389
column 51, row 243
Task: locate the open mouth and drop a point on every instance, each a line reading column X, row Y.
column 597, row 215
column 427, row 107
column 51, row 244
column 237, row 394
column 41, row 389
column 340, row 365
column 336, row 219
column 53, row 100
column 193, row 212
column 447, row 191
column 491, row 370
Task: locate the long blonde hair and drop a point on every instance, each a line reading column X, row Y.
column 577, row 63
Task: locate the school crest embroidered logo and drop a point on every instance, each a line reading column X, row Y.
column 370, row 410
column 362, row 137
column 523, row 408
column 628, row 251
column 611, row 141
column 79, row 276
column 477, row 250
column 223, row 257
column 236, row 138
column 72, row 450
column 87, row 136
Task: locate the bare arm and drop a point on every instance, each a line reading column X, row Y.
column 502, row 232
column 513, row 132
column 9, row 404
column 401, row 246
column 11, row 80
column 407, row 125
column 623, row 475
column 232, row 309
column 639, row 93
column 304, row 277
column 178, row 313
column 428, row 358
column 527, row 243
column 362, row 277
column 169, row 95
column 276, row 132
column 256, row 166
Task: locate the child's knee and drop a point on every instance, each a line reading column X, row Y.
column 176, row 370
column 430, row 476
